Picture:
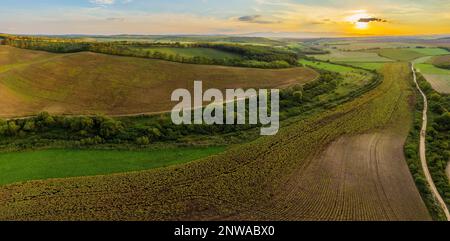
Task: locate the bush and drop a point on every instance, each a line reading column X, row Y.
column 29, row 126
column 142, row 141
column 443, row 122
column 92, row 141
column 109, row 127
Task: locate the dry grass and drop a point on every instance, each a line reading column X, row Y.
column 443, row 60
column 89, row 83
column 439, row 82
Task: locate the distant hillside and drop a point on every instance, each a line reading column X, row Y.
column 91, row 83
column 194, row 38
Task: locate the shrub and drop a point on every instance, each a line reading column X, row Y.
column 142, row 141
column 29, row 126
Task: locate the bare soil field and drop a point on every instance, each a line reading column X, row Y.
column 362, row 177
column 442, row 61
column 90, row 83
column 439, row 82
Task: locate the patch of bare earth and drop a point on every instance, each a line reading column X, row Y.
column 362, row 177
column 439, row 82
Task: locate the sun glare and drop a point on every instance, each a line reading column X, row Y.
column 355, row 19
column 361, row 25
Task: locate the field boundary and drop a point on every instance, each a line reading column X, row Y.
column 422, row 150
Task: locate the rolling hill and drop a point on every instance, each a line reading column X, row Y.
column 91, row 83
column 289, row 176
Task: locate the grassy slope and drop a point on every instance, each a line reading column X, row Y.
column 400, row 54
column 442, row 61
column 430, row 51
column 194, row 52
column 439, row 78
column 353, row 78
column 244, row 179
column 89, row 83
column 59, row 163
column 10, row 56
column 352, row 56
column 326, row 66
column 364, row 45
column 431, row 69
column 372, row 66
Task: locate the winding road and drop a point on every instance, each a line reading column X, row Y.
column 423, row 157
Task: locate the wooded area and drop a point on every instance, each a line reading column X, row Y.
column 249, row 55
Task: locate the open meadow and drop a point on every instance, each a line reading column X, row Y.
column 62, row 163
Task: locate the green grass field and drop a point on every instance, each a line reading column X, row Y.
column 371, row 66
column 400, row 54
column 354, row 45
column 431, row 69
column 422, row 60
column 60, row 163
column 351, row 56
column 326, row 66
column 352, row 78
column 194, row 52
column 430, row 51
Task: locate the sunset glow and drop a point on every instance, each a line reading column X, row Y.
column 290, row 17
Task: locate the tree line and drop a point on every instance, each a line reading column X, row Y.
column 249, row 55
column 437, row 141
column 145, row 130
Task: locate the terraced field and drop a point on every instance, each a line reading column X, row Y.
column 259, row 180
column 90, row 83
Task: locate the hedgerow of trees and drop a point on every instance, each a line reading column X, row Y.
column 438, row 151
column 141, row 131
column 249, row 55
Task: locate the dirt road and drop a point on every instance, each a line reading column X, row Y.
column 423, row 157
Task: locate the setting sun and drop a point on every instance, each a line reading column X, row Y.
column 357, row 17
column 361, row 25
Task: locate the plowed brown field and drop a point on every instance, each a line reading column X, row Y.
column 362, row 177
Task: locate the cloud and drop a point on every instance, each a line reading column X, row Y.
column 368, row 20
column 322, row 21
column 102, row 2
column 116, row 19
column 256, row 19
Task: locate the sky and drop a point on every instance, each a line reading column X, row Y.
column 286, row 18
